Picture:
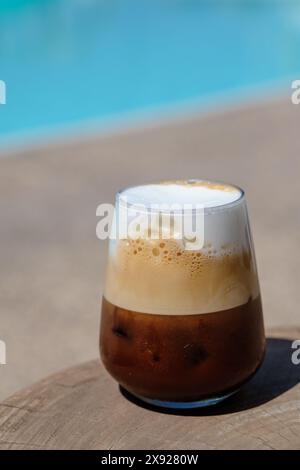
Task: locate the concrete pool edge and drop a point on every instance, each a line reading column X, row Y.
column 153, row 116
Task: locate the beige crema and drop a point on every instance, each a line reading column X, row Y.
column 159, row 276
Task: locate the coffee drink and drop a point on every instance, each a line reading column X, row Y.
column 181, row 324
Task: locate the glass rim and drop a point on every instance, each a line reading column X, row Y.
column 207, row 210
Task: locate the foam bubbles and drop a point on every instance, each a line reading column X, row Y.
column 161, row 276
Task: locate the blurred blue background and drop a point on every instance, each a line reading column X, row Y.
column 66, row 62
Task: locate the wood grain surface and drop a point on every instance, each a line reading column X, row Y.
column 83, row 408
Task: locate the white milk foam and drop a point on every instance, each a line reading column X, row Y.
column 189, row 192
column 162, row 277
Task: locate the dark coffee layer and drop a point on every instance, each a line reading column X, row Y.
column 182, row 357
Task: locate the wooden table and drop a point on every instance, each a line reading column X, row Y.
column 82, row 408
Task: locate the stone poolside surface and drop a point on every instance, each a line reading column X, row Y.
column 51, row 269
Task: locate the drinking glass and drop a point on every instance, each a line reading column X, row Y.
column 182, row 323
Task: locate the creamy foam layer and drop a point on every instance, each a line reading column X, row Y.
column 183, row 192
column 161, row 277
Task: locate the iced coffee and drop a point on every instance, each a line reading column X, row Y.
column 182, row 324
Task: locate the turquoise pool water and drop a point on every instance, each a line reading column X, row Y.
column 66, row 62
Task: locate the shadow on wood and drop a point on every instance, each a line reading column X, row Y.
column 276, row 375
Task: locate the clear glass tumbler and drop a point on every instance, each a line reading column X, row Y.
column 182, row 322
